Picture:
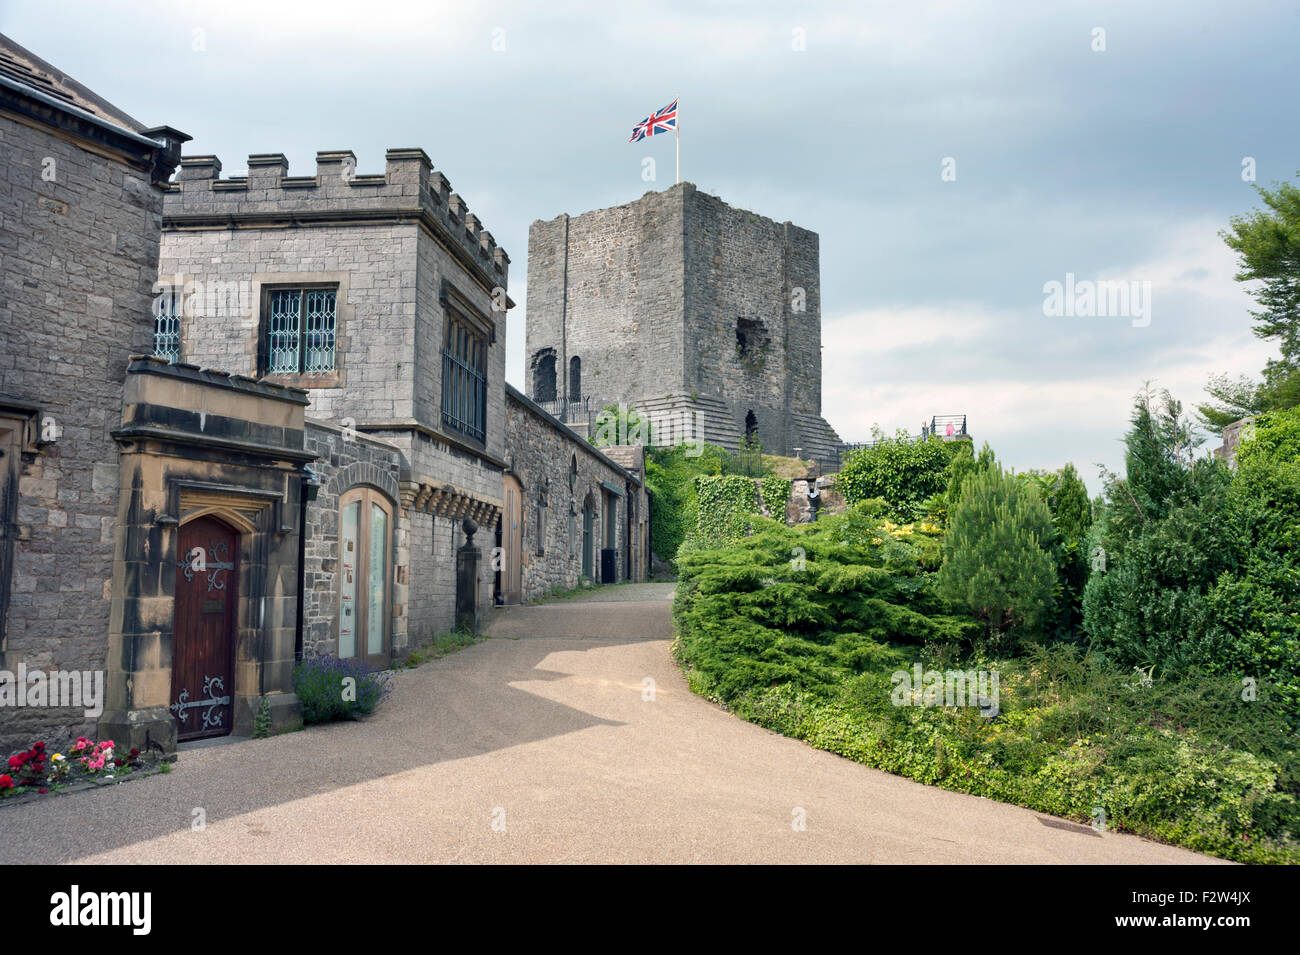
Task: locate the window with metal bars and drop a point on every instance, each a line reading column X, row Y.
column 299, row 331
column 464, row 379
column 167, row 328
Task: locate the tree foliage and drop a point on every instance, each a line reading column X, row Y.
column 1071, row 509
column 1268, row 243
column 1164, row 542
column 901, row 471
column 620, row 424
column 997, row 560
column 1203, row 565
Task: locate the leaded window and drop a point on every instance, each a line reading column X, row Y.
column 166, row 328
column 300, row 331
column 464, row 379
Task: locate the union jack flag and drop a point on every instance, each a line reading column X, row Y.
column 660, row 121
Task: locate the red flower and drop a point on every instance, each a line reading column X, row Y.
column 135, row 752
column 44, row 790
column 6, row 782
column 14, row 762
column 38, row 747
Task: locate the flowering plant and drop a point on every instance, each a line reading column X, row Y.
column 35, row 769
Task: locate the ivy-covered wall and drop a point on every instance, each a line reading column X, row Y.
column 725, row 502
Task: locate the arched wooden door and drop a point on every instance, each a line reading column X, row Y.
column 512, row 542
column 204, row 623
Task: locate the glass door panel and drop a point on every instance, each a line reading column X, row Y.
column 349, row 556
column 377, row 580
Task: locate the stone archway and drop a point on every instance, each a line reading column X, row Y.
column 544, row 373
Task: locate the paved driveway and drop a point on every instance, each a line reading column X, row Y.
column 537, row 746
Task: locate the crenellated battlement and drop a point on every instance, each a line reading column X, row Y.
column 408, row 187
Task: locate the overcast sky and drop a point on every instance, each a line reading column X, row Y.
column 1119, row 164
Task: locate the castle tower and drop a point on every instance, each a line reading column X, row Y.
column 687, row 308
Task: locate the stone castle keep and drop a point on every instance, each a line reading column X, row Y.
column 687, row 308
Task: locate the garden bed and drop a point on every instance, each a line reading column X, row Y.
column 37, row 774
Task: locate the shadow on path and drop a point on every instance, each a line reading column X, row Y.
column 460, row 706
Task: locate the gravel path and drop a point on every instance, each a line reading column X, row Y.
column 537, row 746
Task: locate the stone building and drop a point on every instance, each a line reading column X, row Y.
column 571, row 510
column 249, row 420
column 81, row 207
column 202, row 625
column 385, row 299
column 706, row 316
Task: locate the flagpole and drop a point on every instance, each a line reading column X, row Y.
column 677, row 130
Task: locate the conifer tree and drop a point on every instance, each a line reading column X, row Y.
column 1072, row 519
column 1071, row 509
column 964, row 464
column 997, row 560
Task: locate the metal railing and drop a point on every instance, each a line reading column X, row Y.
column 948, row 426
column 568, row 410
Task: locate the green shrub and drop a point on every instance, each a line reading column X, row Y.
column 1203, row 564
column 262, row 721
column 440, row 645
column 809, row 604
column 997, row 561
column 963, row 465
column 1186, row 761
column 901, row 471
column 775, row 492
column 1254, row 607
column 799, row 630
column 1072, row 518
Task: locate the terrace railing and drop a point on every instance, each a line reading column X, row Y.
column 946, row 426
column 568, row 410
column 950, row 427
